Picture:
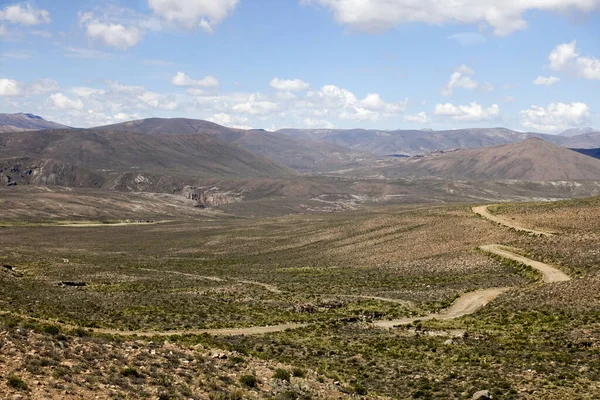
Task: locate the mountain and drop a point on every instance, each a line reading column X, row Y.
column 299, row 154
column 531, row 160
column 93, row 158
column 26, row 122
column 586, row 141
column 412, row 142
column 577, row 131
column 589, row 152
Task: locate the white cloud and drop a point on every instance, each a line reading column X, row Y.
column 3, row 31
column 157, row 100
column 231, row 121
column 255, row 105
column 62, row 102
column 461, row 78
column 25, row 15
column 292, row 85
column 114, row 35
column 420, row 118
column 42, row 86
column 81, row 91
column 505, row 17
column 9, row 87
column 546, row 81
column 181, row 79
column 317, row 123
column 473, row 112
column 565, row 57
column 204, row 14
column 556, row 117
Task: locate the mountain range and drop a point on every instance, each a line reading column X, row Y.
column 97, row 158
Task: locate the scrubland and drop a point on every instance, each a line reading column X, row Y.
column 336, row 273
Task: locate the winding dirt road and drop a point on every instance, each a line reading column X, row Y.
column 466, row 304
column 550, row 274
column 485, row 213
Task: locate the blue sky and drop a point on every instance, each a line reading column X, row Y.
column 384, row 64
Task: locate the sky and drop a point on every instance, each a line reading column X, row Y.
column 528, row 65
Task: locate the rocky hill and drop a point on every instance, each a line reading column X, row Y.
column 122, row 160
column 21, row 122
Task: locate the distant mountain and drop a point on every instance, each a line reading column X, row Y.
column 26, row 122
column 586, row 141
column 93, row 158
column 412, row 142
column 302, row 155
column 589, row 152
column 531, row 160
column 578, row 131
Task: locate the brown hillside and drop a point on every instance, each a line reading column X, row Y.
column 300, row 154
column 533, row 160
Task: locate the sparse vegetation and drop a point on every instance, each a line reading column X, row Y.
column 337, row 272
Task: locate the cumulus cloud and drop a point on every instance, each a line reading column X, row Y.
column 62, row 102
column 231, row 121
column 181, row 79
column 25, row 15
column 505, row 17
column 565, row 57
column 420, row 118
column 110, row 34
column 256, row 105
column 203, row 14
column 473, row 112
column 556, row 117
column 546, row 80
column 9, row 87
column 461, row 78
column 291, row 85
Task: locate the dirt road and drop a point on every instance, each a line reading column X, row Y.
column 550, row 274
column 485, row 213
column 466, row 304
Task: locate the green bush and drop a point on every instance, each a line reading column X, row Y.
column 298, row 373
column 129, row 371
column 15, row 382
column 281, row 374
column 51, row 329
column 248, row 380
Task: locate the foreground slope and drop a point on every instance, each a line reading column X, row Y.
column 26, row 122
column 302, row 155
column 530, row 160
column 91, row 158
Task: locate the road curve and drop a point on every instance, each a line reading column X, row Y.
column 485, row 213
column 550, row 274
column 466, row 304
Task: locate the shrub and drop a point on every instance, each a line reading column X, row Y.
column 129, row 371
column 15, row 382
column 298, row 373
column 248, row 380
column 51, row 329
column 281, row 374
